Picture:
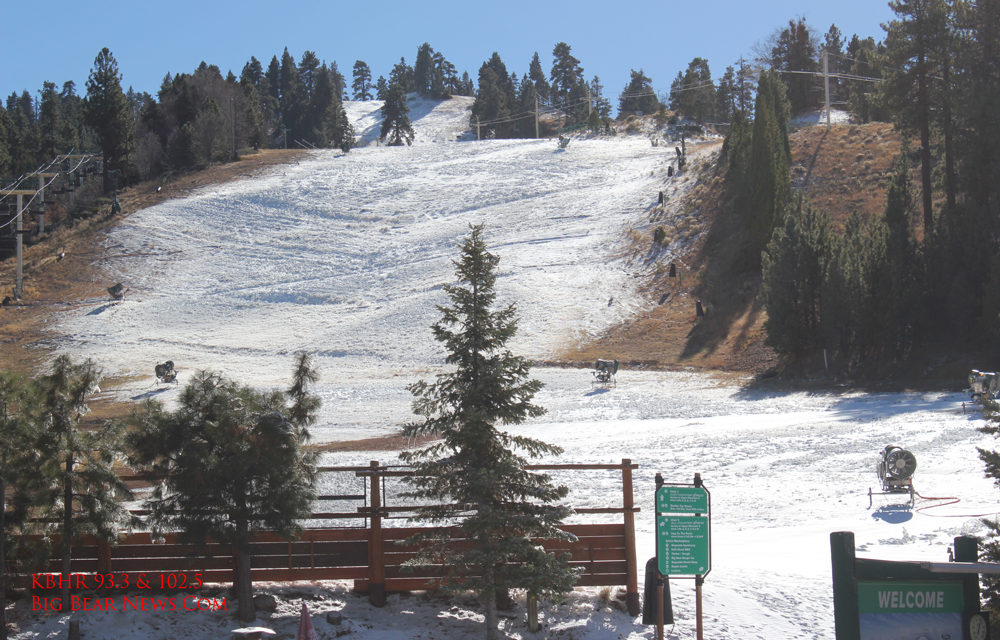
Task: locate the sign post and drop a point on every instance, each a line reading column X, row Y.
column 683, row 537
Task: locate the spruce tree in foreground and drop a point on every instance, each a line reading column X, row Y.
column 476, row 463
column 230, row 462
column 21, row 484
column 85, row 495
column 396, row 128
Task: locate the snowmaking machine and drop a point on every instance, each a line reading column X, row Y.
column 165, row 372
column 604, row 371
column 982, row 384
column 895, row 469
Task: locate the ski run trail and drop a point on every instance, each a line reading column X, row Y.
column 344, row 256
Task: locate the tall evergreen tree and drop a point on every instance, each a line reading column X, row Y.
column 568, row 88
column 362, row 84
column 795, row 50
column 695, row 94
column 22, row 485
column 87, row 495
column 833, row 45
column 396, row 128
column 495, row 99
column 864, row 98
column 638, row 95
column 537, row 76
column 725, row 96
column 423, row 70
column 402, row 76
column 913, row 42
column 230, row 461
column 476, row 462
column 108, row 114
column 381, row 88
column 768, row 183
column 793, row 276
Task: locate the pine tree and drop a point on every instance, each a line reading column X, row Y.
column 87, row 495
column 292, row 101
column 22, row 486
column 638, row 95
column 107, row 113
column 423, row 69
column 725, row 96
column 914, row 45
column 402, row 75
column 568, row 88
column 495, row 99
column 475, row 462
column 362, row 81
column 793, row 273
column 794, row 50
column 538, row 78
column 396, row 128
column 381, row 88
column 230, row 461
column 767, row 182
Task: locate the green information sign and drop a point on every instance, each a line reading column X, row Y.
column 682, row 545
column 681, row 500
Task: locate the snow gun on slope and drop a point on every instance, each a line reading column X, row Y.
column 895, row 471
column 982, row 384
column 604, row 371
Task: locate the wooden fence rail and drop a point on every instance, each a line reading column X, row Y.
column 372, row 555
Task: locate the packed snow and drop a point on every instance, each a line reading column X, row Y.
column 344, row 256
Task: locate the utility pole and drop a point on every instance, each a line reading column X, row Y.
column 826, row 85
column 536, row 116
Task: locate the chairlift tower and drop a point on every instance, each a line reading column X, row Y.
column 19, row 236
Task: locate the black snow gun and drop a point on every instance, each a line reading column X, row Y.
column 605, row 370
column 895, row 471
column 165, row 372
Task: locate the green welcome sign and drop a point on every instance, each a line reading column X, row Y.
column 892, row 600
column 891, row 609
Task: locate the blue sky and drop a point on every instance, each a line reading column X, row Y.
column 59, row 43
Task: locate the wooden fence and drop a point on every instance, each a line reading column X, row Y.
column 370, row 553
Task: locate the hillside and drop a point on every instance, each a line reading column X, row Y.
column 843, row 169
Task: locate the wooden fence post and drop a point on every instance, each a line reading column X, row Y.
column 631, row 568
column 103, row 557
column 376, row 559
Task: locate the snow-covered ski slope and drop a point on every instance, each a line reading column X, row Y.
column 344, row 255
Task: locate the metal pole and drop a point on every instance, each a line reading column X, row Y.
column 698, row 581
column 826, row 85
column 536, row 116
column 659, row 609
column 19, row 280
